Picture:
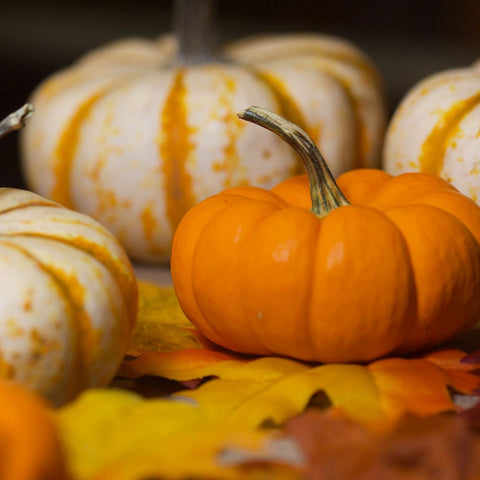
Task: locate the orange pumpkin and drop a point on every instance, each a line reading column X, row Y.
column 395, row 268
column 29, row 445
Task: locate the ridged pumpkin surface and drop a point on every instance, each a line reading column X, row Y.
column 68, row 301
column 398, row 270
column 133, row 141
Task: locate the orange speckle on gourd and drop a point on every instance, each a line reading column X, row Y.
column 95, row 172
column 230, row 84
column 175, row 150
column 40, row 346
column 424, row 91
column 233, row 127
column 230, row 155
column 149, row 223
column 265, row 179
column 475, row 170
column 13, row 329
column 218, row 166
column 108, row 202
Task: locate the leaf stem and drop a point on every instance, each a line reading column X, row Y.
column 324, row 191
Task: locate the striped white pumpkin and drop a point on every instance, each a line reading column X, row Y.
column 135, row 143
column 436, row 129
column 68, row 298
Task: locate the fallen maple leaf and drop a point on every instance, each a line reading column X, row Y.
column 166, row 344
column 463, row 368
column 114, row 434
column 376, row 395
column 232, row 427
column 258, row 390
column 432, row 448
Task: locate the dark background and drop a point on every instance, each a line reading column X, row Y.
column 407, row 39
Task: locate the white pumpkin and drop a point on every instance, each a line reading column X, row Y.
column 436, row 129
column 134, row 134
column 329, row 87
column 68, row 297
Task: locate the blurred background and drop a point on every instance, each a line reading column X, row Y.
column 407, row 40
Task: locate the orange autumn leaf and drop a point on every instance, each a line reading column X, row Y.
column 413, row 386
column 166, row 344
column 252, row 390
column 376, row 395
column 232, row 426
column 462, row 368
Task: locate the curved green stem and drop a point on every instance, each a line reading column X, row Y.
column 15, row 120
column 194, row 29
column 324, row 191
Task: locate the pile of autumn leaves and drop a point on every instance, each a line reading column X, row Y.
column 183, row 408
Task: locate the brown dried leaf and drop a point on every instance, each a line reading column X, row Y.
column 431, row 448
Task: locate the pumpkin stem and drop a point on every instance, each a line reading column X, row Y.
column 324, row 191
column 15, row 120
column 193, row 26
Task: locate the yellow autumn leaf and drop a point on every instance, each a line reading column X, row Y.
column 117, row 434
column 406, row 385
column 112, row 434
column 375, row 396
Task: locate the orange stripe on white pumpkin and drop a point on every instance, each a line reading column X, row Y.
column 78, row 231
column 65, row 153
column 433, row 149
column 51, row 310
column 176, row 149
column 435, row 130
column 100, row 323
column 289, row 107
column 321, row 106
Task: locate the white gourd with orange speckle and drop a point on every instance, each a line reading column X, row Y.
column 134, row 137
column 68, row 298
column 436, row 129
